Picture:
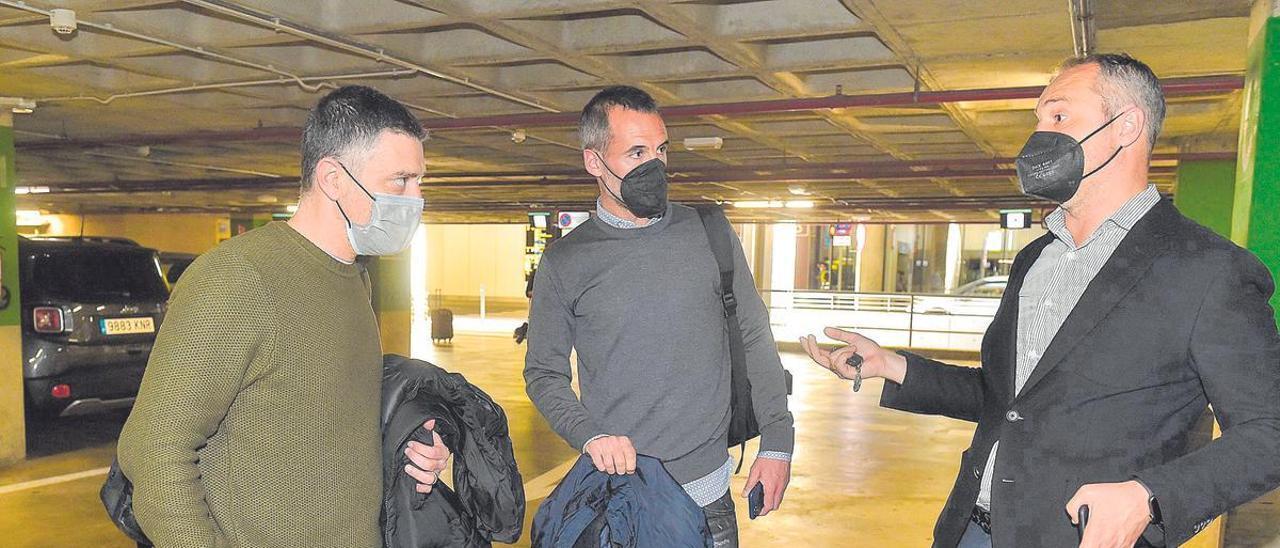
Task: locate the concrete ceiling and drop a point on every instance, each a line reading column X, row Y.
column 159, row 102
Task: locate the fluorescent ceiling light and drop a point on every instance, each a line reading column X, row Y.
column 758, row 204
column 703, row 143
column 29, row 217
column 775, row 204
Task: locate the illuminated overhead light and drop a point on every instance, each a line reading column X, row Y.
column 800, row 204
column 293, row 208
column 798, row 190
column 518, row 136
column 268, row 199
column 30, row 217
column 18, row 105
column 20, row 190
column 62, row 21
column 703, row 143
column 758, row 204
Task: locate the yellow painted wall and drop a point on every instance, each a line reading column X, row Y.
column 463, row 258
column 185, row 233
column 13, row 440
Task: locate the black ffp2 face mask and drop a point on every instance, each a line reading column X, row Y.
column 644, row 188
column 1051, row 164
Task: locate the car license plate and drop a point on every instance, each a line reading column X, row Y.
column 127, row 326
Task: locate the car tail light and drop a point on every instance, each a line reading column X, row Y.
column 47, row 319
column 60, row 391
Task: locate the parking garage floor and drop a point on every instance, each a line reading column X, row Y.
column 862, row 476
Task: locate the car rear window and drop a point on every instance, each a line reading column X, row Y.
column 98, row 275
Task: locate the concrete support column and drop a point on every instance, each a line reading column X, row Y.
column 1257, row 189
column 13, row 439
column 393, row 301
column 1206, row 193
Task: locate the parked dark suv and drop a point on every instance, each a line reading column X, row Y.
column 90, row 311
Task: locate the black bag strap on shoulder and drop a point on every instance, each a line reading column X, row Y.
column 742, row 423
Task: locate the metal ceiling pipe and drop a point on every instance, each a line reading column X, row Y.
column 324, row 82
column 843, row 204
column 1173, row 87
column 198, row 50
column 570, row 177
column 205, row 167
column 266, row 183
column 1084, row 37
column 675, row 173
column 276, row 23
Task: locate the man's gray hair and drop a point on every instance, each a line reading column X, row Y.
column 593, row 124
column 1123, row 80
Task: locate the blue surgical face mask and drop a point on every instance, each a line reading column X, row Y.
column 392, row 222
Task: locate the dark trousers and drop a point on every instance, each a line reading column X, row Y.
column 975, row 537
column 723, row 522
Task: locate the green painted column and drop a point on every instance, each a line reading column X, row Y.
column 13, row 439
column 1206, row 193
column 1257, row 192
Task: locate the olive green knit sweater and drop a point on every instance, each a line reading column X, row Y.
column 257, row 421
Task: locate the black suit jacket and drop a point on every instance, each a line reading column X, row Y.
column 1178, row 318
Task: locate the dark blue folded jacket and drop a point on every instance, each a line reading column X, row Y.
column 592, row 509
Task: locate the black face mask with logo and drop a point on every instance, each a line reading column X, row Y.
column 644, row 188
column 1051, row 164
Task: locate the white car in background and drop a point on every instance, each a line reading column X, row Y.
column 977, row 298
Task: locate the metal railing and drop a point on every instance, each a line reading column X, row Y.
column 947, row 322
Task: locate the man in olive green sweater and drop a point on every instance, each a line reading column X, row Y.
column 257, row 421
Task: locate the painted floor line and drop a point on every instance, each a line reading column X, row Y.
column 534, row 489
column 34, row 484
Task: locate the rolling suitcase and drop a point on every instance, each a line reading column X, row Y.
column 441, row 326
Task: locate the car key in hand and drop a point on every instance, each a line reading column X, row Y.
column 855, row 361
column 1084, row 520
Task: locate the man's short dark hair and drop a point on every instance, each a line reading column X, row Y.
column 593, row 125
column 1123, row 80
column 348, row 121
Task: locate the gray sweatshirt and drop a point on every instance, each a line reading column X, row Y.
column 642, row 309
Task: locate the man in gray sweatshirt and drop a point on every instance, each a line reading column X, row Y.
column 636, row 292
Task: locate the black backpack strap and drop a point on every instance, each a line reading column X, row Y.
column 720, row 235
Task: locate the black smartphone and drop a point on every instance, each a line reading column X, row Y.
column 755, row 501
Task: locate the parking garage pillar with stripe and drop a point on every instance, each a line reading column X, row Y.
column 12, row 429
column 1257, row 192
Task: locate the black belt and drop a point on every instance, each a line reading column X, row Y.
column 982, row 518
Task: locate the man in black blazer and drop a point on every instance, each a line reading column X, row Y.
column 1103, row 353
